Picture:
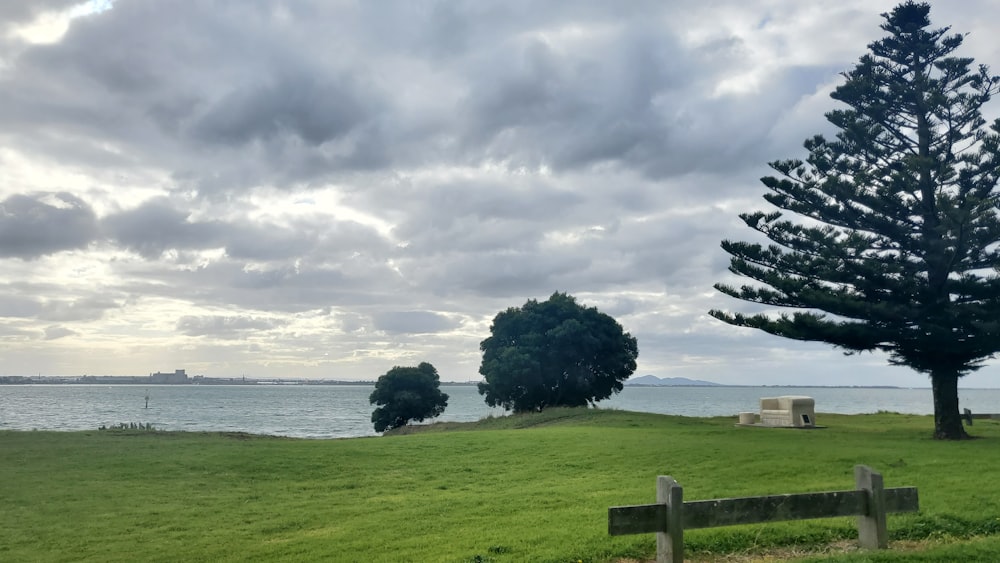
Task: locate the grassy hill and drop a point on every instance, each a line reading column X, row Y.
column 519, row 488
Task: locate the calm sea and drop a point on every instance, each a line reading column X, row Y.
column 342, row 411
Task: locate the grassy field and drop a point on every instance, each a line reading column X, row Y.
column 524, row 488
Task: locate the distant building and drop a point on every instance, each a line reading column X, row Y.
column 177, row 377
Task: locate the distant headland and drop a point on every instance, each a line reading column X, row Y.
column 653, row 381
column 176, row 377
column 181, row 377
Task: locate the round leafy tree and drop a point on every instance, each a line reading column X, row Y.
column 554, row 353
column 407, row 393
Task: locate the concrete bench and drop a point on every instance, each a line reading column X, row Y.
column 790, row 411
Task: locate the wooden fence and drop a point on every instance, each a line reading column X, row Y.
column 968, row 416
column 670, row 516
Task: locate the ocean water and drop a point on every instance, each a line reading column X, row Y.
column 343, row 411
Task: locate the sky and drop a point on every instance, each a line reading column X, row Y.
column 327, row 189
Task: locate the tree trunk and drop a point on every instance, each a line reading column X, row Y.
column 947, row 420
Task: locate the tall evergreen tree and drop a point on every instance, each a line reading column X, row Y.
column 900, row 247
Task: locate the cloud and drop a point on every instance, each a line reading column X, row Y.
column 412, row 322
column 575, row 100
column 246, row 187
column 57, row 332
column 157, row 226
column 374, row 89
column 16, row 12
column 227, row 327
column 292, row 104
column 37, row 224
column 19, row 307
column 88, row 308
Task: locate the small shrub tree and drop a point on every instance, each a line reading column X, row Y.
column 407, row 393
column 554, row 353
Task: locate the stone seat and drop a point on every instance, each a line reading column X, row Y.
column 789, row 411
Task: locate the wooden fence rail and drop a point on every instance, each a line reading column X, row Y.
column 670, row 516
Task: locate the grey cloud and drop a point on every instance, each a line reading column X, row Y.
column 309, row 91
column 20, row 301
column 57, row 332
column 492, row 200
column 413, row 322
column 160, row 225
column 45, row 223
column 226, row 326
column 18, row 306
column 606, row 103
column 507, row 274
column 10, row 332
column 285, row 286
column 316, row 263
column 481, row 216
column 618, row 306
column 80, row 309
column 272, row 278
column 314, row 109
column 22, row 12
column 319, row 239
column 267, row 243
column 157, row 226
column 672, row 250
column 504, row 149
column 453, row 29
column 582, row 244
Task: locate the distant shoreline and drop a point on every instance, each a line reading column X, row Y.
column 141, row 380
column 730, row 386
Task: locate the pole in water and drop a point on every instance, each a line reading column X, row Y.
column 147, row 398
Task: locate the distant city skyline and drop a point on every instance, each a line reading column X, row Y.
column 327, row 190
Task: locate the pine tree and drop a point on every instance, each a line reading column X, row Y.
column 897, row 247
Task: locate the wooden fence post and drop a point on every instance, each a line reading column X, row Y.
column 872, row 530
column 670, row 541
column 870, row 501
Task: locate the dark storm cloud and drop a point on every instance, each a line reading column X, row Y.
column 226, row 327
column 37, row 224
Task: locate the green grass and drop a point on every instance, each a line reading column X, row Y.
column 520, row 488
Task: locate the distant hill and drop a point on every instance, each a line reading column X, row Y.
column 652, row 380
